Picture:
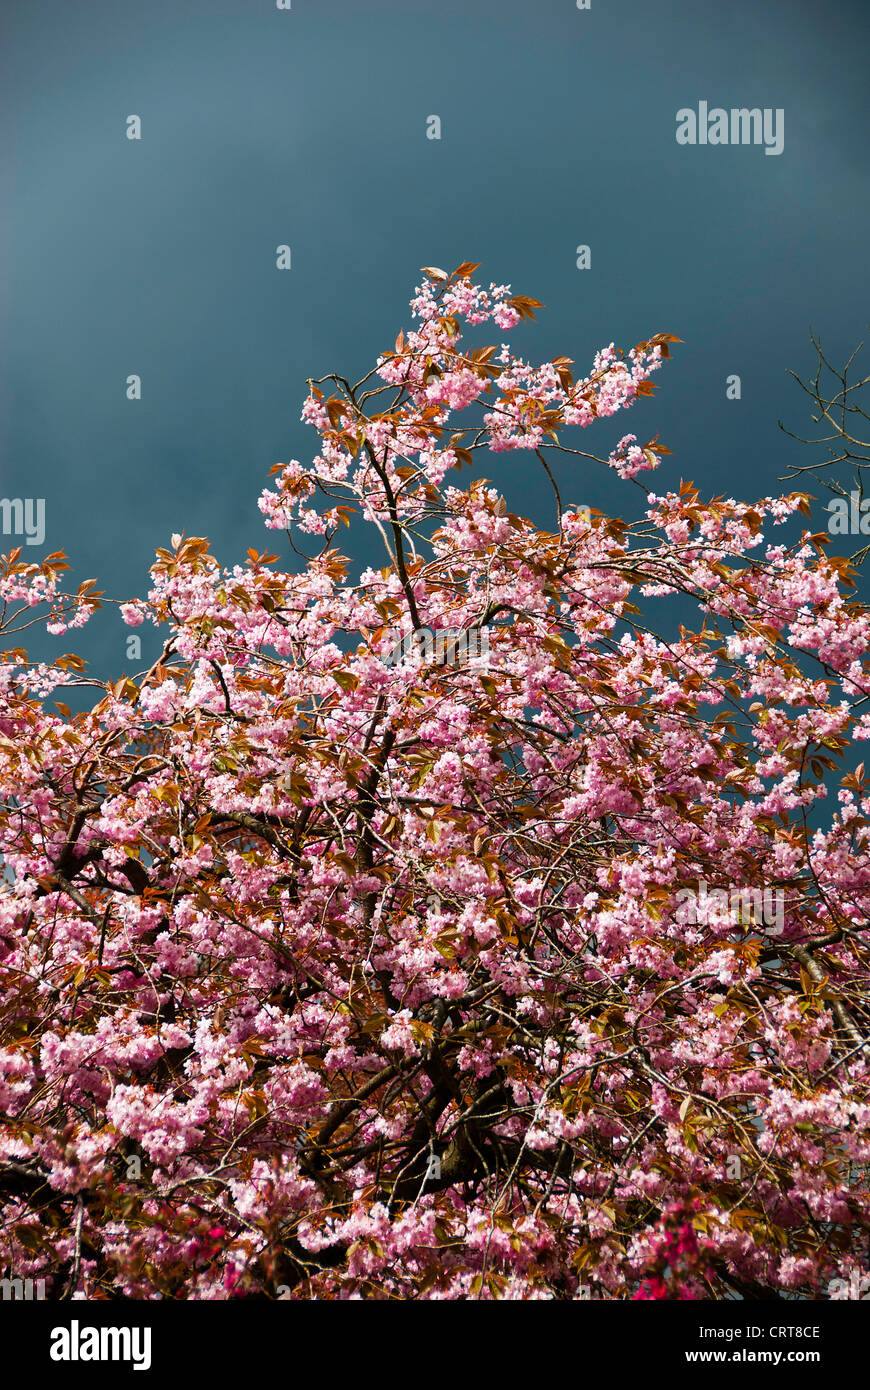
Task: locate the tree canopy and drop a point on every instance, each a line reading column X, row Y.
column 338, row 965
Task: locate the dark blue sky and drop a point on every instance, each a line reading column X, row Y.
column 308, row 127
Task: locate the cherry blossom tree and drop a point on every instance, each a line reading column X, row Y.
column 330, row 968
